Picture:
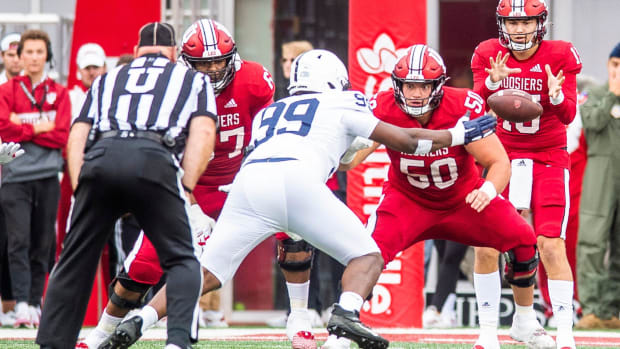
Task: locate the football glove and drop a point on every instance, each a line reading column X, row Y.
column 201, row 224
column 358, row 143
column 467, row 131
column 10, row 151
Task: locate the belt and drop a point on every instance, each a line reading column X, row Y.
column 154, row 136
column 269, row 160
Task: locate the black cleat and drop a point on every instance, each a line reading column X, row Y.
column 126, row 333
column 346, row 323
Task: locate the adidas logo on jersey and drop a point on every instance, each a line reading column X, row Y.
column 536, row 69
column 230, row 104
column 521, row 163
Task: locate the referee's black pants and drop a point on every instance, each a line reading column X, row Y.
column 118, row 176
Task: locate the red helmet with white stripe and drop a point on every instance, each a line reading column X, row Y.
column 521, row 9
column 208, row 41
column 420, row 64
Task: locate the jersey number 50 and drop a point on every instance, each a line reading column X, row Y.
column 422, row 181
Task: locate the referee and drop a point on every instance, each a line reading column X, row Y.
column 122, row 154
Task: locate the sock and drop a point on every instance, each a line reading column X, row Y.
column 488, row 293
column 561, row 294
column 525, row 311
column 448, row 304
column 351, row 301
column 298, row 295
column 149, row 317
column 107, row 323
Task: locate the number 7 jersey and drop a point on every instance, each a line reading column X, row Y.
column 439, row 179
column 250, row 90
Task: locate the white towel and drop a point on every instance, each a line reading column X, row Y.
column 520, row 193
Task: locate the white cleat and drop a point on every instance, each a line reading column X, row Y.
column 431, row 317
column 566, row 341
column 298, row 321
column 334, row 342
column 93, row 340
column 531, row 333
column 487, row 342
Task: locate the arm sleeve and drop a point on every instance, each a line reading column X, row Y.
column 478, row 64
column 566, row 110
column 10, row 132
column 263, row 92
column 57, row 138
column 90, row 105
column 596, row 111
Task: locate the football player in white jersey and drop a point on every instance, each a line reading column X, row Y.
column 298, row 143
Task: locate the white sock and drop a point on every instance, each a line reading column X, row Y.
column 488, row 293
column 298, row 295
column 525, row 311
column 351, row 301
column 448, row 304
column 561, row 294
column 149, row 317
column 107, row 323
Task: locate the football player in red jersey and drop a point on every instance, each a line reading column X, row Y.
column 520, row 59
column 242, row 88
column 441, row 195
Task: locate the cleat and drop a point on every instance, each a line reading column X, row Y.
column 126, row 333
column 565, row 341
column 531, row 333
column 346, row 323
column 22, row 316
column 334, row 342
column 298, row 321
column 304, row 340
column 487, row 342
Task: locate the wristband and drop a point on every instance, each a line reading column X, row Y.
column 489, row 189
column 424, row 147
column 492, row 85
column 557, row 100
column 458, row 134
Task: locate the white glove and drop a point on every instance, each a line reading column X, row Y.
column 201, row 224
column 10, row 151
column 225, row 188
column 358, row 143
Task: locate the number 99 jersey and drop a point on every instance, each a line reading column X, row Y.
column 439, row 179
column 314, row 128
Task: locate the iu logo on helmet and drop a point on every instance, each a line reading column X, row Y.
column 378, row 63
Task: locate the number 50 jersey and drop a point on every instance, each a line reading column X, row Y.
column 439, row 179
column 315, row 128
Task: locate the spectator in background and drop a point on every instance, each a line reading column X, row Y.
column 599, row 213
column 12, row 68
column 12, row 64
column 290, row 50
column 35, row 111
column 124, row 59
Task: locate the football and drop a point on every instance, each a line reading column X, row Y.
column 514, row 105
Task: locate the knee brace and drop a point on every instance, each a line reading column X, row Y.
column 516, row 268
column 130, row 285
column 292, row 246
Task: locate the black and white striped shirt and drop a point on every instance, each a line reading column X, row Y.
column 150, row 94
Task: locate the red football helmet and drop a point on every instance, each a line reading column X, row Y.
column 208, row 41
column 419, row 64
column 521, row 9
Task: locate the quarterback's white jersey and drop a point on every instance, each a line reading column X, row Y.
column 314, row 128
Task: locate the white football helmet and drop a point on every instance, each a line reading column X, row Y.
column 318, row 71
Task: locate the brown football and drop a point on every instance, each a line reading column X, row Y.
column 514, row 105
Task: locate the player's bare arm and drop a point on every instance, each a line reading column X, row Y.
column 489, row 153
column 75, row 150
column 198, row 150
column 499, row 70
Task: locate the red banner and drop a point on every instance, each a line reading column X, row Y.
column 114, row 26
column 379, row 31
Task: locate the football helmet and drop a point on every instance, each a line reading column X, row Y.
column 521, row 9
column 318, row 71
column 421, row 64
column 208, row 41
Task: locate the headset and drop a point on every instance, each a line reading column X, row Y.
column 48, row 46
